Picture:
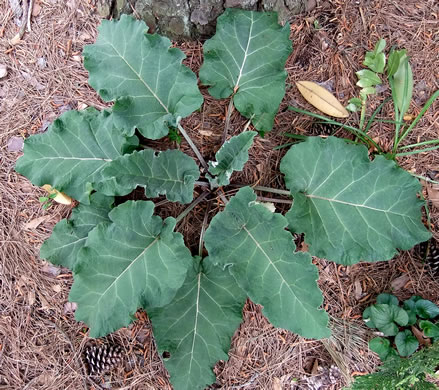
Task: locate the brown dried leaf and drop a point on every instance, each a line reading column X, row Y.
column 420, row 336
column 36, row 9
column 3, row 71
column 15, row 40
column 322, row 99
column 399, row 282
column 277, row 384
column 433, row 194
column 358, row 290
column 35, row 222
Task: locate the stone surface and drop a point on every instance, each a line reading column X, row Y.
column 192, row 19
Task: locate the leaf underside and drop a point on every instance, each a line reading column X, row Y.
column 232, row 156
column 247, row 56
column 72, row 153
column 135, row 260
column 351, row 209
column 197, row 326
column 253, row 240
column 171, row 173
column 69, row 235
column 143, row 74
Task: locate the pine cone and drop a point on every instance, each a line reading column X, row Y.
column 432, row 255
column 102, row 358
column 323, row 128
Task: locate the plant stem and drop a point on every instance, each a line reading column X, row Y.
column 193, row 146
column 425, row 178
column 262, row 188
column 188, row 209
column 228, row 117
column 363, row 113
column 203, row 230
column 273, row 200
column 417, row 151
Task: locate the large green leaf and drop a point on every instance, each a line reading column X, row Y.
column 262, row 253
column 197, row 326
column 406, row 343
column 72, row 153
column 171, row 172
column 246, row 58
column 350, row 208
column 69, row 235
column 143, row 74
column 231, row 157
column 136, row 259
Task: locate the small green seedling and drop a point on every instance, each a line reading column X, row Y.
column 393, row 321
column 47, row 200
column 400, row 78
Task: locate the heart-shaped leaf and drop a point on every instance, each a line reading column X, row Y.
column 406, row 343
column 381, row 346
column 388, row 299
column 426, row 309
column 386, row 318
column 429, row 329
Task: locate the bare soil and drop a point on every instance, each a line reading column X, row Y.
column 41, row 344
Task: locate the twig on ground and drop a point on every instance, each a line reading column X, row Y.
column 188, row 209
column 29, row 15
column 203, row 230
column 228, row 117
column 273, row 200
column 193, row 146
column 17, row 38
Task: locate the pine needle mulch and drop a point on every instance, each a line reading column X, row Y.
column 41, row 345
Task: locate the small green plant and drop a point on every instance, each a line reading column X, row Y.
column 393, row 321
column 47, row 200
column 124, row 257
column 398, row 373
column 400, row 78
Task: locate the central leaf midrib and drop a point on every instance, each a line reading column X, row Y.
column 126, row 269
column 352, row 204
column 138, row 76
column 274, row 266
column 245, row 54
column 196, row 321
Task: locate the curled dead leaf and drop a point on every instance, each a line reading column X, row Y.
column 34, row 223
column 433, row 194
column 60, row 197
column 321, row 99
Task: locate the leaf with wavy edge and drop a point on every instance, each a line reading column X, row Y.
column 231, row 157
column 134, row 260
column 72, row 153
column 253, row 240
column 69, row 235
column 350, row 208
column 197, row 326
column 143, row 74
column 171, row 173
column 246, row 57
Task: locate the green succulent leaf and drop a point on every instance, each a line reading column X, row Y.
column 429, row 329
column 406, row 343
column 253, row 240
column 69, row 235
column 388, row 299
column 367, row 78
column 376, row 60
column 71, row 155
column 171, row 173
column 143, row 75
column 426, row 309
column 135, row 260
column 394, row 60
column 403, row 85
column 386, row 317
column 198, row 324
column 231, row 157
column 351, row 209
column 246, row 58
column 381, row 346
